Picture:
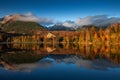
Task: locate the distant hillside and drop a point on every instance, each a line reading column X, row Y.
column 90, row 26
column 22, row 27
column 60, row 27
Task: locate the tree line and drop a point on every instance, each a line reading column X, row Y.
column 86, row 35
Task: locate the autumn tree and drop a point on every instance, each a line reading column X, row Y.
column 82, row 36
column 101, row 35
column 107, row 34
column 92, row 32
column 87, row 36
column 95, row 37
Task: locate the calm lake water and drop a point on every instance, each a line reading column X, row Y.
column 59, row 62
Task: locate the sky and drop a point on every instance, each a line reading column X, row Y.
column 61, row 10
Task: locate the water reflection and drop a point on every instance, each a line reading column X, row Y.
column 27, row 57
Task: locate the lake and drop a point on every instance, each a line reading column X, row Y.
column 32, row 61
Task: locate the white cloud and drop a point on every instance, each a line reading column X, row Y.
column 69, row 24
column 33, row 18
column 98, row 20
column 84, row 21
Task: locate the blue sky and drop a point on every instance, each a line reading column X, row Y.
column 61, row 9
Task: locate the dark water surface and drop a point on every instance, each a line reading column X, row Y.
column 59, row 62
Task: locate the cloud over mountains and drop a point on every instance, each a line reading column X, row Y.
column 31, row 17
column 69, row 23
column 26, row 17
column 97, row 20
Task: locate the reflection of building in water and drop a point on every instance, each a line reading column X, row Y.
column 49, row 49
column 29, row 53
column 92, row 52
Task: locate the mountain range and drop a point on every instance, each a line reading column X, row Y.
column 19, row 24
column 13, row 24
column 61, row 27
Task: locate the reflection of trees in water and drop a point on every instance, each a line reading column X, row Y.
column 10, row 60
column 92, row 52
column 21, row 57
